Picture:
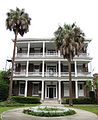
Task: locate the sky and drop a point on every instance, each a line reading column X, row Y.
column 46, row 16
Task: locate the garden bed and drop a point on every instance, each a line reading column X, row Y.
column 47, row 111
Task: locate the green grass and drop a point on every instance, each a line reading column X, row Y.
column 3, row 109
column 90, row 108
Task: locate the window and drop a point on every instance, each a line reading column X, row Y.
column 66, row 89
column 21, row 88
column 35, row 89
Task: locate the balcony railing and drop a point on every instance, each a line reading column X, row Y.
column 21, row 54
column 84, row 74
column 22, row 73
column 47, row 54
column 52, row 74
column 51, row 54
column 35, row 54
column 34, row 73
column 63, row 74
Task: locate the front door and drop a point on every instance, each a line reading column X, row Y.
column 50, row 92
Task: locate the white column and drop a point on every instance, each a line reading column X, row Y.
column 16, row 51
column 59, row 68
column 76, row 89
column 42, row 93
column 28, row 49
column 43, row 48
column 59, row 53
column 75, row 69
column 43, row 69
column 60, row 91
column 27, row 68
column 91, row 70
column 26, row 84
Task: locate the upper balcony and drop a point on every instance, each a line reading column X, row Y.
column 41, row 50
column 50, row 69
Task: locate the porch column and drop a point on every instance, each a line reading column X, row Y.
column 43, row 69
column 60, row 91
column 27, row 68
column 28, row 50
column 42, row 93
column 75, row 69
column 43, row 48
column 91, row 70
column 59, row 53
column 59, row 68
column 26, row 84
column 76, row 89
column 16, row 51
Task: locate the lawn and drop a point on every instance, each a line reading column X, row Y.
column 2, row 109
column 90, row 108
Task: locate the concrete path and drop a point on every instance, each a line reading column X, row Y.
column 17, row 114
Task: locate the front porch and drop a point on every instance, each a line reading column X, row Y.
column 49, row 90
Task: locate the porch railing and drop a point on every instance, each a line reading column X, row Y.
column 34, row 73
column 21, row 73
column 51, row 74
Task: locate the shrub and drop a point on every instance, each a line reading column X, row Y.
column 26, row 100
column 77, row 101
column 10, row 104
column 92, row 96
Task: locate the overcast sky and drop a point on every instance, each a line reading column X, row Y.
column 46, row 16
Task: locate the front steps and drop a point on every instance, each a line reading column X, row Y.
column 54, row 103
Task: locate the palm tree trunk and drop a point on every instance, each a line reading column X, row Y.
column 13, row 60
column 70, row 83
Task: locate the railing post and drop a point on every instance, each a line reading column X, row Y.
column 59, row 53
column 75, row 68
column 59, row 68
column 28, row 49
column 27, row 68
column 43, row 48
column 43, row 69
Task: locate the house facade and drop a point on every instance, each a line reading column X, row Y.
column 40, row 70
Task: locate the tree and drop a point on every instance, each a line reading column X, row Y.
column 4, row 85
column 69, row 39
column 95, row 83
column 17, row 21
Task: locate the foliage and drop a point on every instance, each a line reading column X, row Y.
column 49, row 113
column 18, row 21
column 26, row 100
column 79, row 101
column 92, row 96
column 69, row 40
column 10, row 104
column 89, row 85
column 4, row 85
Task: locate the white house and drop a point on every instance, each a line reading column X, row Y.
column 40, row 70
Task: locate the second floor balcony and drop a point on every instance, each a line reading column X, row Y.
column 51, row 74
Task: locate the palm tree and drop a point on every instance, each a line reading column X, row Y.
column 17, row 21
column 69, row 39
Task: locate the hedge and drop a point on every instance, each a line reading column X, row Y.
column 26, row 100
column 78, row 101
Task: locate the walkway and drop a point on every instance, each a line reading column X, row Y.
column 17, row 114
